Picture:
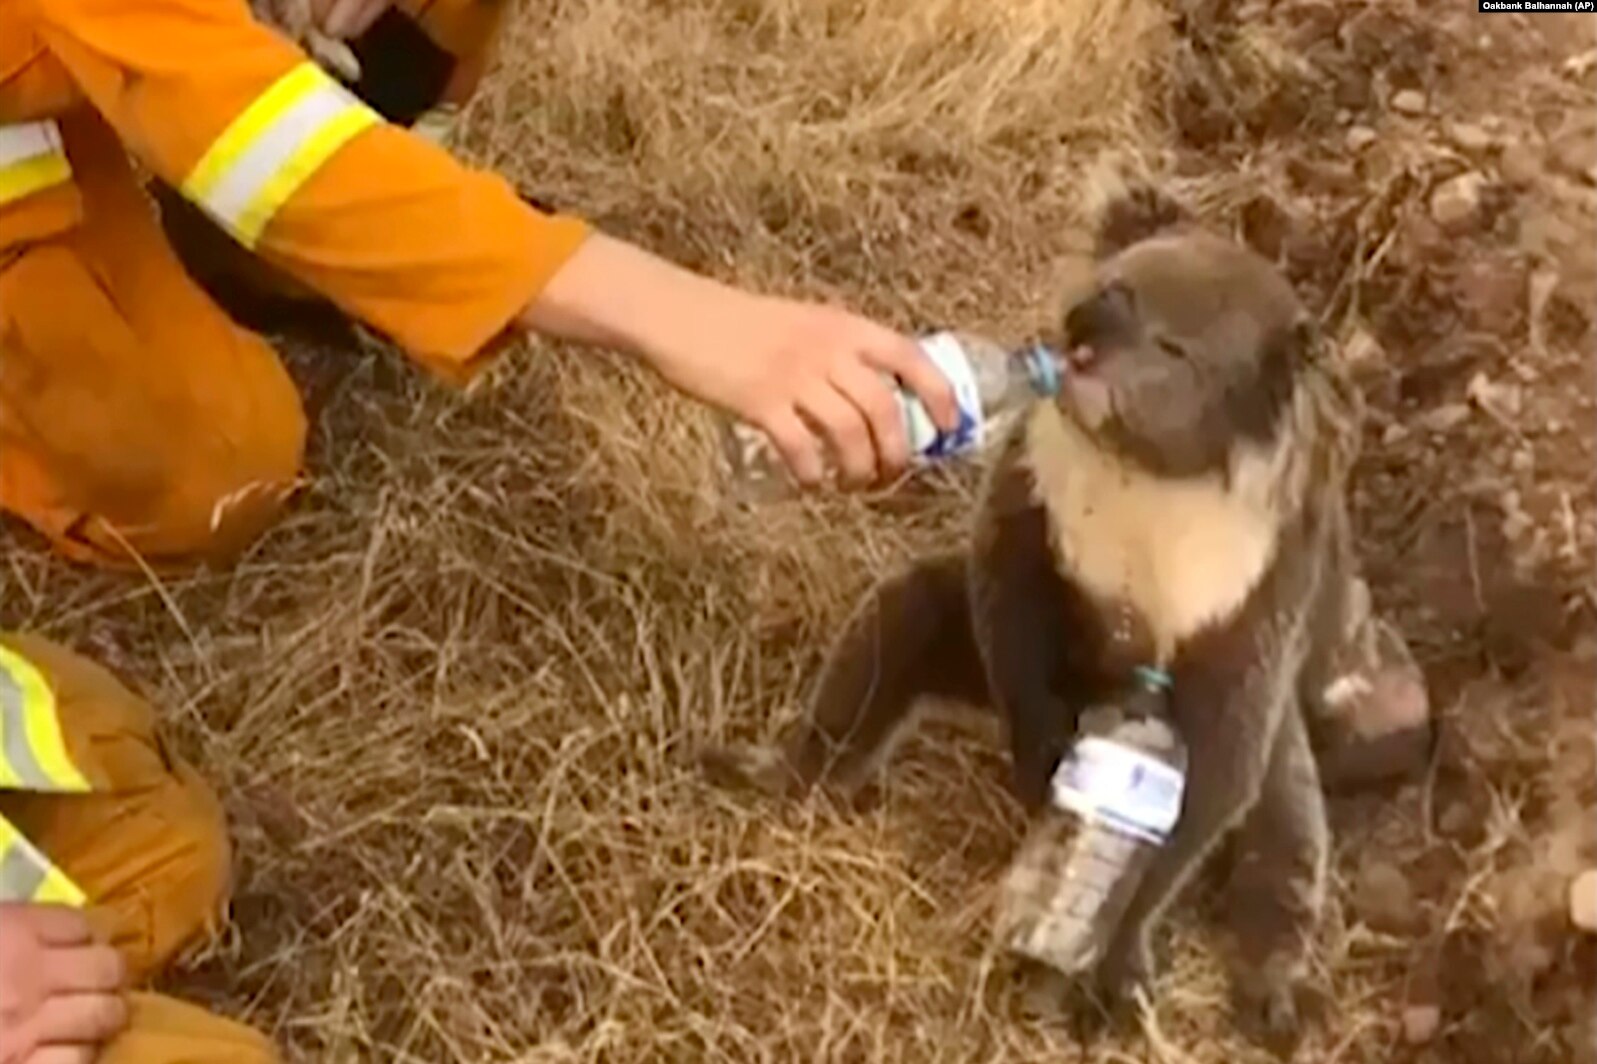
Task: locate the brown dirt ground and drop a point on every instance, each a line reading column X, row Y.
column 449, row 700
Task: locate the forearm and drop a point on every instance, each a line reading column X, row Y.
column 616, row 295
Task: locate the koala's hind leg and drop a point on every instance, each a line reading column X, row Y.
column 1277, row 888
column 1365, row 698
column 1229, row 729
column 910, row 637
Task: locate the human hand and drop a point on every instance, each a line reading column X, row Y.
column 801, row 372
column 60, row 994
column 302, row 22
column 346, row 19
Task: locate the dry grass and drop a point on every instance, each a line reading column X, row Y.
column 449, row 700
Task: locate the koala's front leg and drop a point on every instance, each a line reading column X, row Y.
column 1277, row 888
column 909, row 637
column 1029, row 634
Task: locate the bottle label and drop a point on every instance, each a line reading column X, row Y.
column 1102, row 780
column 924, row 437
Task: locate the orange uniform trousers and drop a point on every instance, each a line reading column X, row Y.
column 150, row 849
column 138, row 423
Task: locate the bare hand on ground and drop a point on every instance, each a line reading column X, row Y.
column 60, row 990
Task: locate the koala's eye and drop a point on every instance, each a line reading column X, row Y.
column 1171, row 348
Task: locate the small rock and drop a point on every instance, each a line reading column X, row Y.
column 1420, row 1023
column 1491, row 293
column 1395, row 434
column 1467, row 136
column 1409, row 102
column 1520, row 164
column 1456, row 203
column 1384, row 898
column 1362, row 351
column 1583, row 901
column 1503, row 401
column 1444, row 418
column 1524, row 461
column 1578, row 66
column 1516, row 525
column 1573, row 153
column 1359, row 138
column 1455, row 818
column 1343, row 116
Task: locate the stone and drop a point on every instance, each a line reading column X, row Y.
column 1583, row 901
column 1502, row 401
column 1385, row 900
column 1363, row 351
column 1466, row 136
column 1574, row 152
column 1456, row 203
column 1456, row 819
column 1359, row 138
column 1444, row 418
column 1520, row 163
column 1409, row 102
column 1395, row 434
column 1420, row 1023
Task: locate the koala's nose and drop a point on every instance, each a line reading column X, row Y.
column 1105, row 318
column 1081, row 357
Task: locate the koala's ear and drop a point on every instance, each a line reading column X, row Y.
column 1137, row 213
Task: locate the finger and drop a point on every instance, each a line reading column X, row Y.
column 62, row 1055
column 904, row 359
column 878, row 402
column 845, row 430
column 84, row 969
column 341, row 18
column 797, row 445
column 59, row 925
column 370, row 11
column 80, row 1019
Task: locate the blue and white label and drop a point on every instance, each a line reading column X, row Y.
column 1105, row 781
column 925, row 439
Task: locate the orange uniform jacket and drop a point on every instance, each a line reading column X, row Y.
column 437, row 256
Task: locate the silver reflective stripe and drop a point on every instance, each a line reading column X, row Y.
column 28, row 140
column 262, row 161
column 14, row 745
column 21, row 872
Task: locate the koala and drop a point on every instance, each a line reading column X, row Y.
column 1180, row 504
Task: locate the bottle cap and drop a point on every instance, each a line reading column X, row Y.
column 1152, row 678
column 1042, row 364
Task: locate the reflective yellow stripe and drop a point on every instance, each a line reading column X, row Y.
column 273, row 147
column 33, row 752
column 26, row 875
column 31, row 158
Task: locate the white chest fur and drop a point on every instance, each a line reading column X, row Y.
column 1183, row 553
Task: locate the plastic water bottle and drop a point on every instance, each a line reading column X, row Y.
column 1116, row 797
column 989, row 382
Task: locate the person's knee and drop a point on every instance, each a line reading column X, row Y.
column 166, row 1030
column 226, row 469
column 161, row 891
column 148, row 842
column 188, row 899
